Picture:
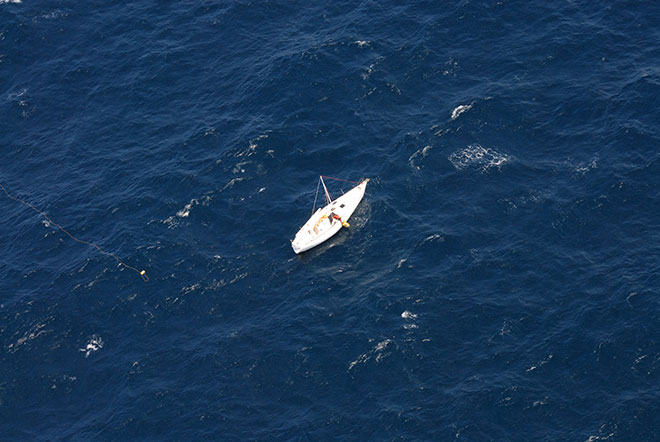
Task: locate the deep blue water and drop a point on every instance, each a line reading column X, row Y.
column 499, row 282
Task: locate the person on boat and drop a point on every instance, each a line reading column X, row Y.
column 331, row 219
column 333, row 216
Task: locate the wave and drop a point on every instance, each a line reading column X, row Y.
column 459, row 110
column 479, row 157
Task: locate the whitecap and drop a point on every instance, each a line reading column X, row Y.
column 434, row 237
column 540, row 364
column 232, row 182
column 238, row 168
column 477, row 156
column 363, row 358
column 639, row 359
column 583, row 168
column 460, row 109
column 191, row 288
column 408, row 315
column 370, row 70
column 95, row 344
column 594, row 438
column 57, row 13
column 378, row 350
column 450, row 67
column 382, row 345
column 252, row 146
column 185, row 212
column 33, row 333
column 419, row 153
column 12, row 96
column 170, row 222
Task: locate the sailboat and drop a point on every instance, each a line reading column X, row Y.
column 328, row 220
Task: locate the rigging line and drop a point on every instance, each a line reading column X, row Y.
column 339, row 179
column 142, row 273
column 318, row 184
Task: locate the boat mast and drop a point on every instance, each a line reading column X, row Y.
column 328, row 200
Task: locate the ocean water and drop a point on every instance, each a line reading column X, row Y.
column 499, row 282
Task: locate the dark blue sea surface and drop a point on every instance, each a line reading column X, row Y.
column 500, row 281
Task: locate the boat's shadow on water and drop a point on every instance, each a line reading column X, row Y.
column 337, row 240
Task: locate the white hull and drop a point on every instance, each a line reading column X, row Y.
column 322, row 226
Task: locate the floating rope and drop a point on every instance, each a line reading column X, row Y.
column 142, row 273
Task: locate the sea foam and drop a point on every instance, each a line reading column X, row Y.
column 479, row 157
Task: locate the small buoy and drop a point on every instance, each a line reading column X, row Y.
column 345, row 224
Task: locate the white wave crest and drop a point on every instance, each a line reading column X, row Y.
column 421, row 153
column 477, row 156
column 13, row 96
column 434, row 237
column 583, row 168
column 185, row 212
column 172, row 221
column 460, row 109
column 95, row 344
column 378, row 350
column 408, row 315
column 594, row 438
column 540, row 364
